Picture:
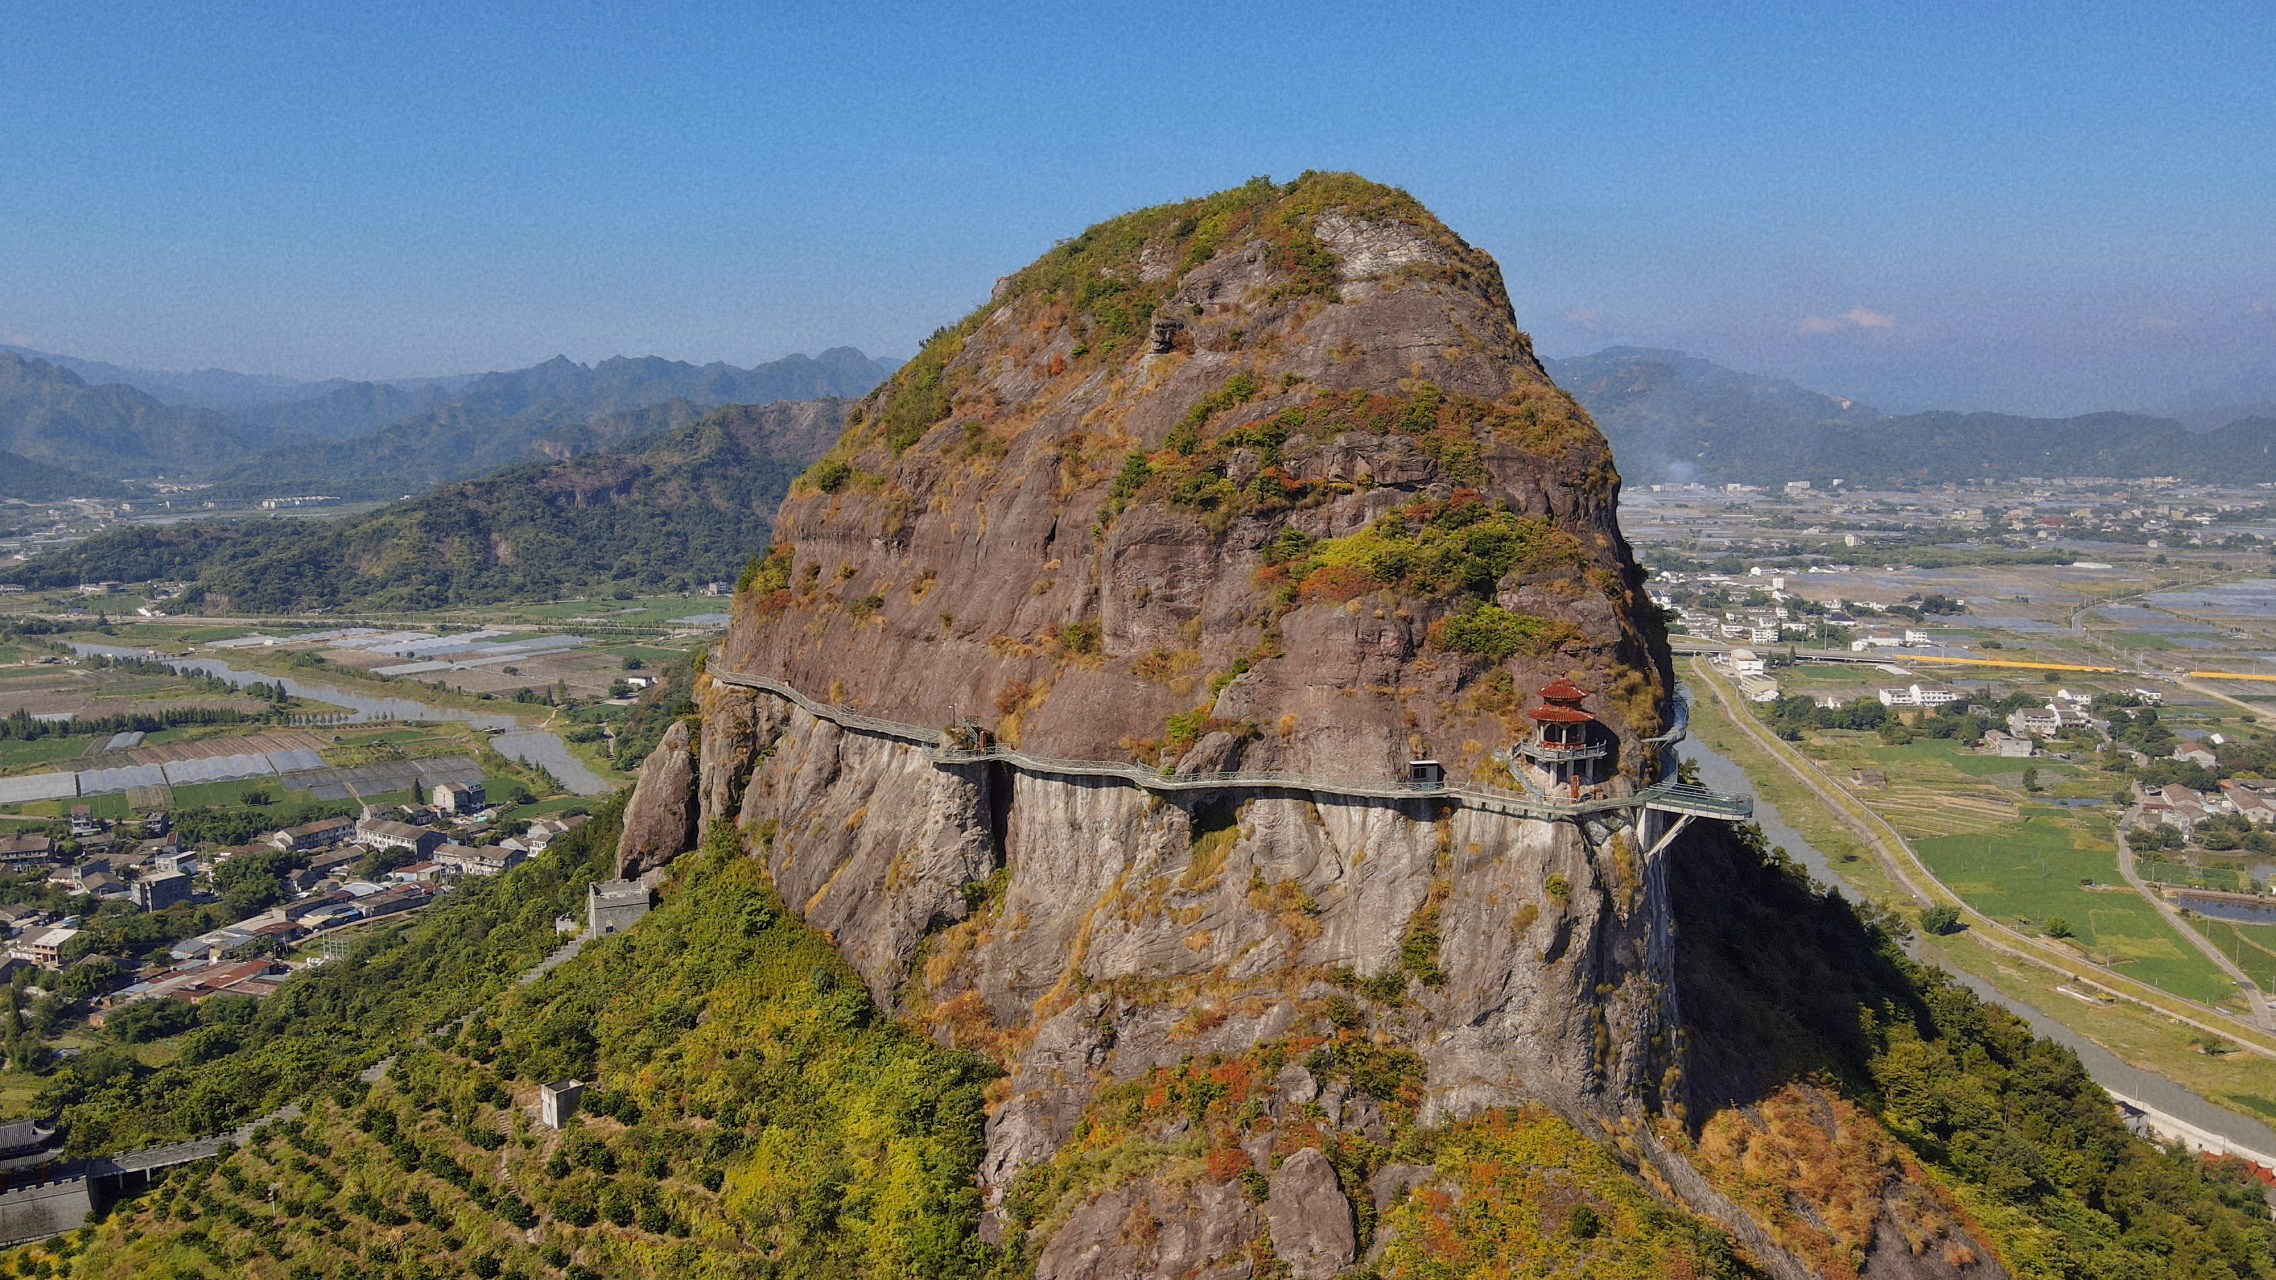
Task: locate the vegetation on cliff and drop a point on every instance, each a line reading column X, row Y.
column 1525, row 1193
column 1207, row 389
column 757, row 1114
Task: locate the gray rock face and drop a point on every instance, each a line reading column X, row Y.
column 1072, row 928
column 1392, row 1179
column 660, row 821
column 1140, row 1232
column 1311, row 1220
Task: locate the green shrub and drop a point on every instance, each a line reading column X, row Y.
column 765, row 576
column 1940, row 919
column 1494, row 634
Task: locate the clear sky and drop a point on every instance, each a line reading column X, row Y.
column 2037, row 208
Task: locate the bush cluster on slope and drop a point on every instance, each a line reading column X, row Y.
column 1791, row 988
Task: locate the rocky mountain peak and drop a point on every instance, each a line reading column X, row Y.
column 1268, row 478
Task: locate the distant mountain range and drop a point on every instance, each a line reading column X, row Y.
column 1675, row 418
column 665, row 510
column 555, row 409
column 361, row 439
column 52, row 416
column 212, row 388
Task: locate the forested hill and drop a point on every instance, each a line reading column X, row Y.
column 20, row 477
column 1676, row 418
column 662, row 512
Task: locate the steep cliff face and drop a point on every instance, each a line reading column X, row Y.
column 1264, row 481
column 1279, row 458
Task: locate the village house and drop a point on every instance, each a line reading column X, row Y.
column 476, row 861
column 199, row 981
column 2196, row 753
column 458, row 799
column 2254, row 802
column 2042, row 721
column 160, row 891
column 2183, row 807
column 44, row 948
column 1918, row 694
column 380, row 834
column 314, row 835
column 2009, row 746
column 18, row 917
column 20, row 852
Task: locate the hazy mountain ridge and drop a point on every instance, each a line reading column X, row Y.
column 1676, row 418
column 201, row 388
column 499, row 417
column 671, row 509
column 20, row 477
column 366, row 438
column 51, row 415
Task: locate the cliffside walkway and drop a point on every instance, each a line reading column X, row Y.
column 1670, row 796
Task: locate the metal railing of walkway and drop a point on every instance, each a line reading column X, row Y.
column 1670, row 795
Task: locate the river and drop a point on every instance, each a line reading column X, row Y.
column 530, row 746
column 1719, row 772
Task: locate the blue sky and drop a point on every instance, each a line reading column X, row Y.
column 1978, row 206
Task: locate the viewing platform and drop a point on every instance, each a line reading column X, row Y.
column 1562, row 752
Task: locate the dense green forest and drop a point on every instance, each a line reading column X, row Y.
column 665, row 512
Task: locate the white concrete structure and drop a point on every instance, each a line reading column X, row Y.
column 558, row 1101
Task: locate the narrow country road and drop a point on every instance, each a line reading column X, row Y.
column 2174, row 917
column 1904, row 866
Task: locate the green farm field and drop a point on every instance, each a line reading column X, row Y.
column 2251, row 946
column 2033, row 868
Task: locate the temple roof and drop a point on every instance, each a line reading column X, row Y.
column 1563, row 690
column 1554, row 714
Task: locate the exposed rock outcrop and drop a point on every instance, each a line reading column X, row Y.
column 1311, row 1221
column 1269, row 480
column 1139, row 1231
column 659, row 823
